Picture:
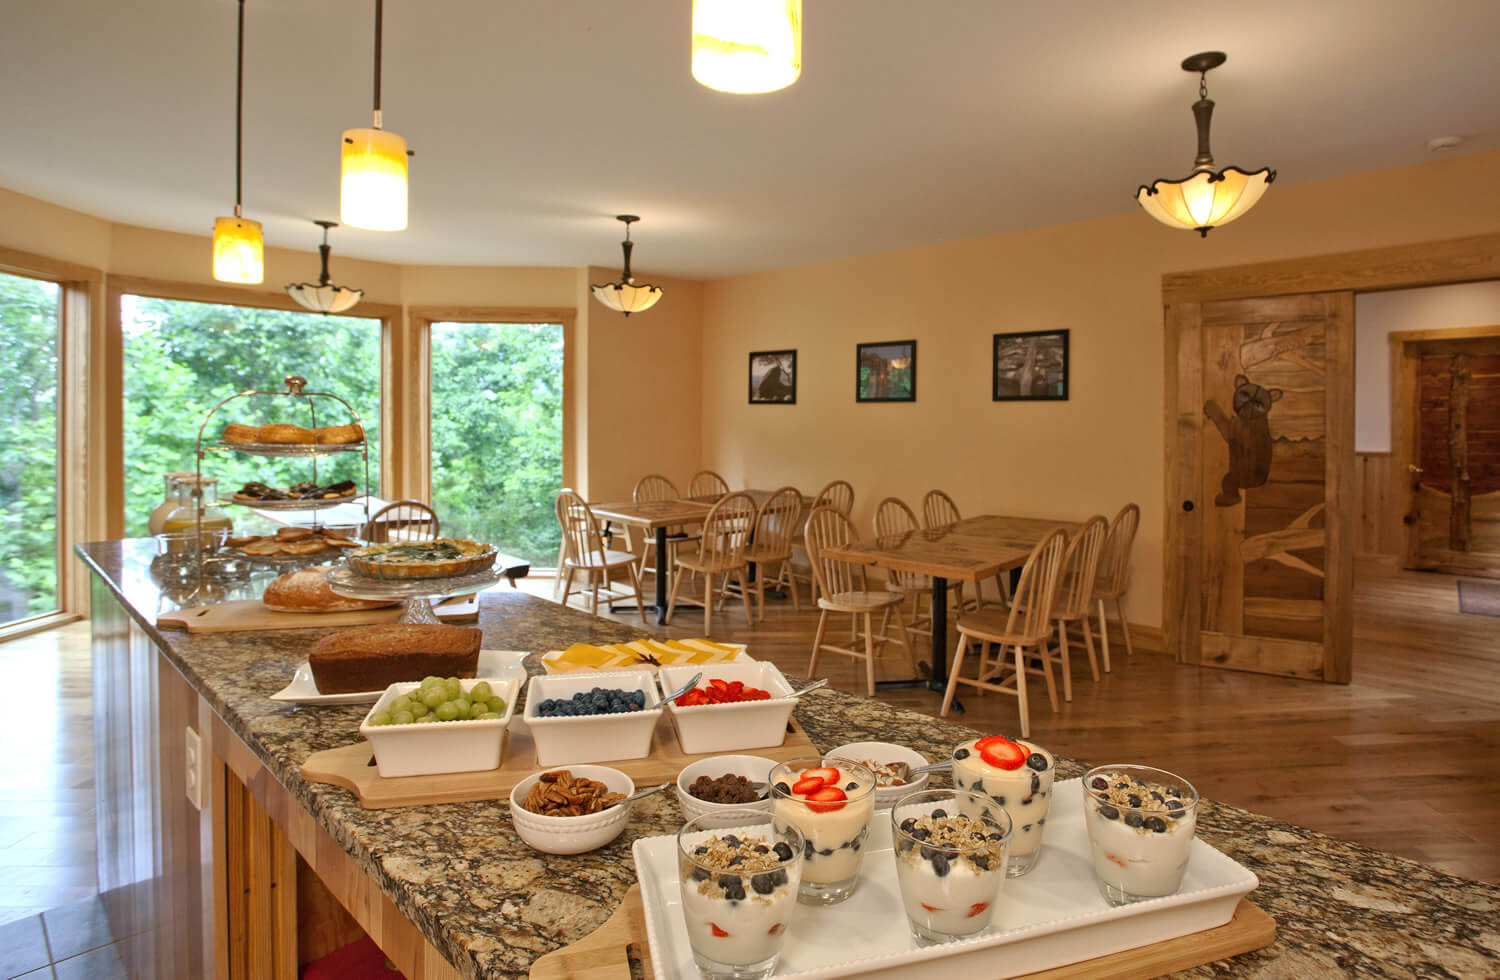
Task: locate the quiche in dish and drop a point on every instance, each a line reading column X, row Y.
column 442, row 558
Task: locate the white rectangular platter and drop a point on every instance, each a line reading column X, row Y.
column 1048, row 918
column 303, row 690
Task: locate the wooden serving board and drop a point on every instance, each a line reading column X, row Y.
column 608, row 952
column 353, row 768
column 252, row 614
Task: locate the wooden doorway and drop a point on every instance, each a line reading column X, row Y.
column 1197, row 576
column 1446, row 438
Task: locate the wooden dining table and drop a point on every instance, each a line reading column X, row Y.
column 972, row 550
column 656, row 516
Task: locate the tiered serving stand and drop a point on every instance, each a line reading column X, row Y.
column 418, row 595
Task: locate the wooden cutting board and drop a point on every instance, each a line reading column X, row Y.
column 608, row 952
column 252, row 614
column 353, row 768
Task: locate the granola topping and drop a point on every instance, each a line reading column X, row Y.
column 980, row 844
column 738, row 868
column 1145, row 806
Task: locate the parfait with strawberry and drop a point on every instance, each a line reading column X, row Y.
column 1016, row 775
column 830, row 802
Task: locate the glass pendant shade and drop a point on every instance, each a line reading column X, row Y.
column 372, row 192
column 627, row 297
column 747, row 46
column 326, row 298
column 239, row 254
column 1206, row 199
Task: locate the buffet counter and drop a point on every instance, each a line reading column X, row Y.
column 240, row 886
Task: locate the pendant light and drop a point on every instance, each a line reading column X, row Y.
column 747, row 46
column 239, row 251
column 1206, row 198
column 372, row 192
column 626, row 296
column 323, row 296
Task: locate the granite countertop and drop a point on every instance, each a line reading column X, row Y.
column 493, row 905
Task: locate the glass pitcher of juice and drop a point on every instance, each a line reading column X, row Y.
column 170, row 502
column 197, row 510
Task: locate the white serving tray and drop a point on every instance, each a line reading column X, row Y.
column 1048, row 918
column 492, row 663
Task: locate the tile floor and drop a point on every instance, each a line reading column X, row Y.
column 72, row 942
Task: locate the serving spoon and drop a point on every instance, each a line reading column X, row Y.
column 815, row 685
column 640, row 793
column 683, row 690
column 903, row 770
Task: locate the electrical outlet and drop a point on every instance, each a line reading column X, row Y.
column 193, row 768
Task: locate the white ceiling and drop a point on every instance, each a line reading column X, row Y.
column 535, row 121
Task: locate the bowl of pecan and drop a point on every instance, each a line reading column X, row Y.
column 572, row 810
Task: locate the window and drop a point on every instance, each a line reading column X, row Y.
column 497, row 430
column 182, row 358
column 29, row 383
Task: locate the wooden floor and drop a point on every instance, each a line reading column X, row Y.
column 1402, row 759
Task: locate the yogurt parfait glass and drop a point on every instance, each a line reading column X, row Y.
column 1016, row 775
column 739, row 892
column 950, row 849
column 1140, row 822
column 830, row 801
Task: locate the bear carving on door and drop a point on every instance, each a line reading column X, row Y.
column 1248, row 434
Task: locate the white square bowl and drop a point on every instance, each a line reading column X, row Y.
column 445, row 746
column 592, row 738
column 730, row 727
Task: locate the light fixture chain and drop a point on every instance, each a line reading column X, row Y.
column 1203, row 85
column 239, row 112
column 379, row 22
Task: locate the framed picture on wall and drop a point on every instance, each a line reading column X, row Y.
column 886, row 372
column 773, row 377
column 1031, row 366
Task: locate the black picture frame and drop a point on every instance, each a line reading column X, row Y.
column 880, row 374
column 1048, row 352
column 772, row 387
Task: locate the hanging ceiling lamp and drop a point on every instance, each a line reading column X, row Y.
column 239, row 252
column 323, row 296
column 372, row 193
column 1207, row 198
column 747, row 46
column 626, row 296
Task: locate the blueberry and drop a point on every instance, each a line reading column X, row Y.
column 778, row 877
column 981, row 861
column 807, row 850
column 763, row 884
column 1041, row 821
column 1133, row 819
column 700, row 874
column 1036, row 782
column 1174, row 804
column 1158, row 797
column 960, row 753
column 1026, row 828
column 1133, row 800
column 998, row 799
column 761, row 849
column 783, row 850
column 1173, row 791
column 940, row 865
column 826, row 852
column 908, row 824
column 845, row 845
column 700, row 850
column 905, row 846
column 1156, row 824
column 1109, row 813
column 995, row 836
column 737, row 859
column 922, row 833
column 731, row 840
column 854, row 844
column 783, row 789
column 1037, row 761
column 851, row 787
column 928, row 853
column 939, row 814
column 1099, row 783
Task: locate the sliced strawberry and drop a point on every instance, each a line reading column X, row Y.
column 828, row 775
column 977, row 908
column 989, row 740
column 774, row 929
column 929, row 907
column 808, row 784
column 826, row 800
column 720, row 933
column 1004, row 755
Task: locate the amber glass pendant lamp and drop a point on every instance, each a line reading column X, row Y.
column 372, row 189
column 239, row 251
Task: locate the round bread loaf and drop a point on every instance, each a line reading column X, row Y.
column 236, row 433
column 281, row 434
column 340, row 435
column 307, row 591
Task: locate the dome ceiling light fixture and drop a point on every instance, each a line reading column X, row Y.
column 747, row 47
column 324, row 296
column 239, row 249
column 372, row 187
column 627, row 296
column 1206, row 198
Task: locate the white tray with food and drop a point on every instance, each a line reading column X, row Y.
column 503, row 664
column 1052, row 916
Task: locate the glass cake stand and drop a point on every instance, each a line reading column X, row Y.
column 417, row 594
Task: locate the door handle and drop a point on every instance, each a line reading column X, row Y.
column 1414, row 468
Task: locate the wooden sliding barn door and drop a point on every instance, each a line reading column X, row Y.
column 1261, row 484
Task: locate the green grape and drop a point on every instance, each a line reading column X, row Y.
column 380, row 718
column 434, row 697
column 402, row 718
column 497, row 704
column 489, row 716
column 419, row 710
column 463, row 704
column 447, row 711
column 427, row 719
column 454, row 688
column 480, row 691
column 399, row 703
column 478, row 709
column 430, row 680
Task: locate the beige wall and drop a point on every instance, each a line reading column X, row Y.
column 1099, row 279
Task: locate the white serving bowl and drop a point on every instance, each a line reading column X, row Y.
column 572, row 835
column 885, row 796
column 753, row 767
column 592, row 738
column 444, row 746
column 727, row 727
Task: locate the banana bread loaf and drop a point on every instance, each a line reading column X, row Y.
column 371, row 658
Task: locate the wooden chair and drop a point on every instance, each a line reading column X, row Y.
column 893, row 517
column 402, row 520
column 584, row 551
column 771, row 542
column 843, row 588
column 707, row 483
column 1075, row 592
column 838, row 495
column 939, row 510
column 721, row 552
column 1025, row 628
column 647, row 489
column 1114, row 575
